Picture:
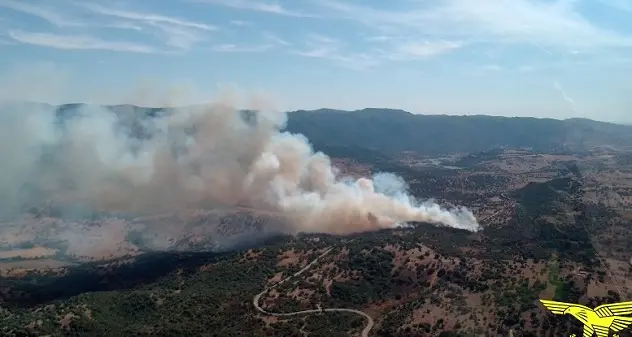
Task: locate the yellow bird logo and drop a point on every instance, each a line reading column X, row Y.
column 596, row 321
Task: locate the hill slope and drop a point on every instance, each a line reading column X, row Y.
column 548, row 233
column 441, row 134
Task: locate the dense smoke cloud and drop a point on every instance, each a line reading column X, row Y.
column 208, row 156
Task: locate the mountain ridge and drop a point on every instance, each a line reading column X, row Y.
column 319, row 110
column 396, row 130
column 444, row 134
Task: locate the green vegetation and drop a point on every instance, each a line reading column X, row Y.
column 422, row 280
column 433, row 135
column 556, row 281
column 182, row 302
column 542, row 224
column 203, row 294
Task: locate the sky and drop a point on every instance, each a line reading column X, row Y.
column 541, row 58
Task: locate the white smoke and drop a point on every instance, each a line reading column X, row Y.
column 199, row 157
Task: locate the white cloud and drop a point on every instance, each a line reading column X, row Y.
column 241, row 23
column 320, row 46
column 413, row 50
column 275, row 39
column 175, row 32
column 552, row 24
column 271, row 7
column 571, row 102
column 85, row 42
column 148, row 17
column 123, row 25
column 336, row 50
column 379, row 38
column 232, row 48
column 327, row 48
column 49, row 14
column 63, row 19
column 178, row 36
column 179, row 33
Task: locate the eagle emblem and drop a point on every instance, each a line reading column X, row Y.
column 598, row 321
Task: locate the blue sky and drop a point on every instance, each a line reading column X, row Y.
column 543, row 58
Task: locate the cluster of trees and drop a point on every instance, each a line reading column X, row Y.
column 548, row 218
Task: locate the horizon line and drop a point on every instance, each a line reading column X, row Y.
column 317, row 110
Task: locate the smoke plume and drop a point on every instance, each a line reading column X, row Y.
column 210, row 156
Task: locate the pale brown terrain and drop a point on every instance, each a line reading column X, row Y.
column 605, row 181
column 28, row 253
column 413, row 282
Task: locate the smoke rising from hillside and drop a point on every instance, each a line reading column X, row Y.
column 199, row 157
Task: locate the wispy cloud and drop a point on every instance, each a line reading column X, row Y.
column 148, row 17
column 328, row 48
column 413, row 50
column 275, row 39
column 175, row 32
column 179, row 33
column 123, row 25
column 567, row 98
column 320, row 46
column 232, row 48
column 178, row 36
column 336, row 50
column 552, row 24
column 241, row 23
column 271, row 7
column 46, row 13
column 84, row 42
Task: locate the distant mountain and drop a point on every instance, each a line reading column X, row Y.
column 391, row 130
column 397, row 130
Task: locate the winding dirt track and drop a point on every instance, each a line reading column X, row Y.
column 255, row 301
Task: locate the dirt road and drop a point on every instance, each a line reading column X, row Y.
column 255, row 301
